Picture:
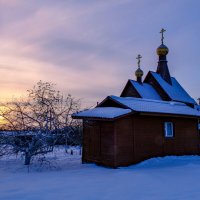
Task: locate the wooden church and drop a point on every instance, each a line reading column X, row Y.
column 152, row 117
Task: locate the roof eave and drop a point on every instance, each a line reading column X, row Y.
column 169, row 115
column 102, row 118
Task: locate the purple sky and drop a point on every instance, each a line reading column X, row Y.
column 88, row 47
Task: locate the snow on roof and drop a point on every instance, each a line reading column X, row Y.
column 145, row 90
column 103, row 112
column 197, row 107
column 156, row 106
column 175, row 91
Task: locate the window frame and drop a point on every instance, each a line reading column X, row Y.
column 166, row 130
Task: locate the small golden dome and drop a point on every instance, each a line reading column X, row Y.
column 162, row 50
column 139, row 73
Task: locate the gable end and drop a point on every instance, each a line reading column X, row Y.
column 130, row 91
column 152, row 81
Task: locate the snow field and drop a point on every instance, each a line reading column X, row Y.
column 169, row 178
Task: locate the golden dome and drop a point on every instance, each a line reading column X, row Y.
column 139, row 73
column 162, row 50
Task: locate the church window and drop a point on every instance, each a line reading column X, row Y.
column 169, row 130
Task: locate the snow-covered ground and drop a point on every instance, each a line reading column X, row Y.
column 172, row 178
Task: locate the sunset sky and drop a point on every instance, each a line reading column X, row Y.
column 88, row 47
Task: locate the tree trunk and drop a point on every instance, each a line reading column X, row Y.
column 27, row 159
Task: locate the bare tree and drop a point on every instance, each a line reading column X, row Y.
column 39, row 120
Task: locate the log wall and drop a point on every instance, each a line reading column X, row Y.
column 132, row 139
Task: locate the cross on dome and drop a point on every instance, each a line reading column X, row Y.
column 139, row 73
column 162, row 34
column 138, row 58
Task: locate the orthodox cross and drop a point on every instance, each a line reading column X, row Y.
column 138, row 58
column 162, row 34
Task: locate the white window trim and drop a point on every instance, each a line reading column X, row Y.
column 166, row 130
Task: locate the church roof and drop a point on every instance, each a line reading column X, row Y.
column 145, row 90
column 174, row 91
column 159, row 93
column 133, row 105
column 155, row 106
column 197, row 107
